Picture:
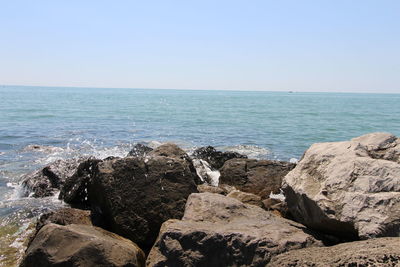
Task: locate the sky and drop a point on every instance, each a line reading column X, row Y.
column 320, row 45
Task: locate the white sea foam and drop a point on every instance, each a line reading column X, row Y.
column 293, row 160
column 279, row 196
column 206, row 174
column 43, row 149
column 251, row 151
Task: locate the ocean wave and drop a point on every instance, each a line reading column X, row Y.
column 251, row 151
column 43, row 149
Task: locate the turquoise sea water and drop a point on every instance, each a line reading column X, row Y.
column 105, row 122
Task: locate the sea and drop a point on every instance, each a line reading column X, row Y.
column 39, row 125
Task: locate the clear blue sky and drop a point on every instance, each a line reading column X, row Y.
column 241, row 45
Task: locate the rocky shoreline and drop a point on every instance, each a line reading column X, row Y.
column 161, row 207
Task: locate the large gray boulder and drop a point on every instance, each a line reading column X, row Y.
column 221, row 231
column 135, row 195
column 49, row 179
column 349, row 189
column 374, row 252
column 81, row 245
column 260, row 177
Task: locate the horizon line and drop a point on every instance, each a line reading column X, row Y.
column 190, row 89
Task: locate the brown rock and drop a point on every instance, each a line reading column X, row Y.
column 64, row 216
column 81, row 245
column 373, row 252
column 247, row 198
column 203, row 188
column 260, row 177
column 221, row 231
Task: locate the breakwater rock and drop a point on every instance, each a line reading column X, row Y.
column 349, row 188
column 146, row 206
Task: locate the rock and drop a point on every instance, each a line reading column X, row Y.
column 64, row 216
column 215, row 158
column 80, row 245
column 139, row 150
column 247, row 198
column 205, row 172
column 48, row 180
column 135, row 195
column 227, row 188
column 75, row 188
column 259, row 177
column 349, row 189
column 276, row 206
column 203, row 188
column 221, row 231
column 169, row 150
column 374, row 252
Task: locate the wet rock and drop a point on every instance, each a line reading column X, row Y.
column 80, row 245
column 64, row 216
column 247, row 198
column 139, row 150
column 75, row 188
column 259, row 177
column 215, row 158
column 48, row 180
column 221, row 231
column 373, row 252
column 135, row 195
column 349, row 189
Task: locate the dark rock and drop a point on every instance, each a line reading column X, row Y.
column 373, row 252
column 221, row 231
column 215, row 158
column 260, row 177
column 139, row 150
column 135, row 195
column 75, row 188
column 81, row 245
column 48, row 180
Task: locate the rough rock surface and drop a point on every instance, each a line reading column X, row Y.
column 260, row 177
column 349, row 188
column 64, row 216
column 46, row 181
column 215, row 158
column 203, row 188
column 139, row 150
column 75, row 188
column 247, row 198
column 135, row 195
column 80, row 245
column 221, row 231
column 374, row 252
